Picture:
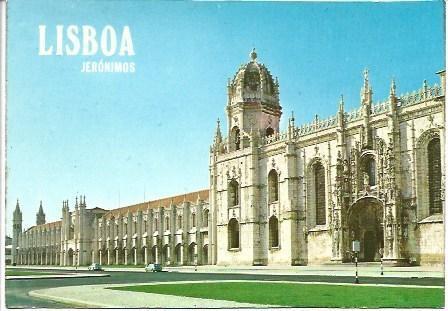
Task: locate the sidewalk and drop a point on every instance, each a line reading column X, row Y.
column 100, row 296
column 364, row 269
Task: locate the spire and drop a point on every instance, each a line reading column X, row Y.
column 291, row 126
column 291, row 120
column 366, row 91
column 76, row 202
column 218, row 136
column 392, row 88
column 17, row 213
column 366, row 79
column 253, row 55
column 341, row 103
column 40, row 216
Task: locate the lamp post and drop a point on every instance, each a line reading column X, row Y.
column 356, row 248
column 381, row 254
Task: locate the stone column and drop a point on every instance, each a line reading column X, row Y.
column 101, row 258
column 108, row 257
column 195, row 259
column 169, row 259
column 146, row 256
column 125, row 256
column 181, row 255
column 157, row 255
column 117, row 252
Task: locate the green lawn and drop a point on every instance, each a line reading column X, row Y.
column 304, row 295
column 17, row 272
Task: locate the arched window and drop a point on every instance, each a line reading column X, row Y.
column 167, row 223
column 233, row 190
column 205, row 222
column 234, row 233
column 434, row 176
column 369, row 168
column 155, row 224
column 273, row 231
column 193, row 220
column 269, row 131
column 179, row 222
column 319, row 193
column 236, row 140
column 273, row 186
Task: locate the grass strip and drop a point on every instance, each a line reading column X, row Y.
column 303, row 295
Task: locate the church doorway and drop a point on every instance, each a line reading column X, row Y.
column 365, row 220
column 70, row 257
column 369, row 245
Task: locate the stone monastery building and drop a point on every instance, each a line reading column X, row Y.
column 294, row 197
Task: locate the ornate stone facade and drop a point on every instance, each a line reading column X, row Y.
column 375, row 174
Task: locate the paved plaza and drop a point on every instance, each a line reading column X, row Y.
column 102, row 296
column 87, row 290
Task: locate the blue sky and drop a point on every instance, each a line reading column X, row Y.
column 118, row 138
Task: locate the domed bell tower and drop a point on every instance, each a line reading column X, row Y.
column 253, row 104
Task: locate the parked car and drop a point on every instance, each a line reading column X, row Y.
column 95, row 267
column 153, row 267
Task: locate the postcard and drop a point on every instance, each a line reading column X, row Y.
column 171, row 154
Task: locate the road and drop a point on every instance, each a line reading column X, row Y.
column 17, row 290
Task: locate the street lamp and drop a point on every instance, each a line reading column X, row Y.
column 381, row 251
column 356, row 248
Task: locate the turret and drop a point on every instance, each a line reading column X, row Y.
column 40, row 216
column 341, row 112
column 291, row 126
column 17, row 229
column 366, row 104
column 217, row 140
column 392, row 97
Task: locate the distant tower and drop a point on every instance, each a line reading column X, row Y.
column 40, row 216
column 17, row 229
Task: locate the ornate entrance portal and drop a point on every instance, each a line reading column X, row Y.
column 365, row 221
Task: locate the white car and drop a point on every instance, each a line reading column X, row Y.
column 95, row 267
column 153, row 267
